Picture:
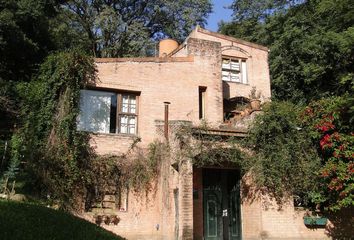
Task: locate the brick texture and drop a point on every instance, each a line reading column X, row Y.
column 169, row 211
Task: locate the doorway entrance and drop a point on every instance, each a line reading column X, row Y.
column 221, row 204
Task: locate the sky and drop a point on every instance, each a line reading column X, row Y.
column 219, row 13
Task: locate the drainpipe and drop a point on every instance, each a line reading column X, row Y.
column 166, row 120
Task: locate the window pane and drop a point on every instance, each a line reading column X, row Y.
column 132, row 99
column 127, row 124
column 123, row 124
column 132, row 120
column 132, row 124
column 225, row 76
column 95, row 111
column 226, row 63
column 132, row 104
column 132, row 129
column 125, row 107
column 235, row 77
column 132, row 109
column 128, row 103
column 125, row 99
column 244, row 72
column 235, row 65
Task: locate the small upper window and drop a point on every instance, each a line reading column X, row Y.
column 100, row 110
column 234, row 70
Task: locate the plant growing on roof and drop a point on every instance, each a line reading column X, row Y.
column 254, row 94
column 255, row 98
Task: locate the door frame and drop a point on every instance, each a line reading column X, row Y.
column 226, row 174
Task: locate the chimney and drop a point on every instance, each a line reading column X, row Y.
column 167, row 46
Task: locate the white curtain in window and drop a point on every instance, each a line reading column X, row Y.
column 95, row 110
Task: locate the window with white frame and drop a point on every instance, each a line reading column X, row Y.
column 127, row 114
column 234, row 70
column 107, row 112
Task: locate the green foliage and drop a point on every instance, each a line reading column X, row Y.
column 59, row 159
column 135, row 170
column 244, row 9
column 126, row 28
column 54, row 151
column 32, row 222
column 16, row 145
column 24, row 42
column 307, row 152
column 284, row 160
column 24, row 36
column 311, row 47
column 205, row 149
column 331, row 126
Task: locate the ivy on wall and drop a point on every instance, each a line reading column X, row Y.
column 59, row 162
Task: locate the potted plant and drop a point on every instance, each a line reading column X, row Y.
column 315, row 221
column 255, row 99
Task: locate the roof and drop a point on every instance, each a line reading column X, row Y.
column 146, row 59
column 232, row 39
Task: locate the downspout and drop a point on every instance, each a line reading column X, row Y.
column 166, row 120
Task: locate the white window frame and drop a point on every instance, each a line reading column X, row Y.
column 234, row 70
column 131, row 112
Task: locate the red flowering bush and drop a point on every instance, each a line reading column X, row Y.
column 333, row 132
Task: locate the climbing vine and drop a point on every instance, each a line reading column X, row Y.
column 205, row 149
column 285, row 160
column 59, row 159
column 54, row 153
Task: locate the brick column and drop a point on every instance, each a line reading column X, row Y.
column 186, row 200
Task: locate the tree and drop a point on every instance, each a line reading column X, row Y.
column 311, row 58
column 284, row 158
column 259, row 10
column 115, row 28
column 311, row 48
column 25, row 40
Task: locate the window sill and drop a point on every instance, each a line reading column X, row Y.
column 126, row 135
column 246, row 84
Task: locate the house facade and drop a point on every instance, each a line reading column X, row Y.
column 208, row 78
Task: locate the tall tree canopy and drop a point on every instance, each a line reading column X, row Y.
column 25, row 40
column 115, row 28
column 245, row 9
column 311, row 63
column 311, row 48
column 31, row 30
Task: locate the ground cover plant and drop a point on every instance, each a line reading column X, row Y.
column 29, row 221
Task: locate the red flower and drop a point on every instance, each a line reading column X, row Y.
column 325, row 173
column 342, row 194
column 336, row 136
column 325, row 141
column 325, row 124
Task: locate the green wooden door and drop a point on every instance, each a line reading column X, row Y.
column 235, row 214
column 212, row 213
column 221, row 203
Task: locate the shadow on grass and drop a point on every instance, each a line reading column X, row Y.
column 29, row 221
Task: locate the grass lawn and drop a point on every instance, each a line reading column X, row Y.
column 28, row 221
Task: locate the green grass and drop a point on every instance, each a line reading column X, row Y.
column 28, row 221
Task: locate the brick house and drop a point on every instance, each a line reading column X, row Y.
column 203, row 79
